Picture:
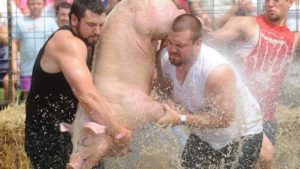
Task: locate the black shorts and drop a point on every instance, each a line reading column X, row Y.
column 49, row 149
column 241, row 154
column 270, row 130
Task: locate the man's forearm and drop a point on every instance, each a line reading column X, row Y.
column 209, row 120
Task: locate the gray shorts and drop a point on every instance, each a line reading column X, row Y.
column 270, row 130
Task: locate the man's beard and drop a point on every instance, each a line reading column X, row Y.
column 274, row 18
column 175, row 62
column 86, row 40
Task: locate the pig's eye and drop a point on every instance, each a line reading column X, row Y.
column 85, row 141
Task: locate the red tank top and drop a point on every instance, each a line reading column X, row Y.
column 184, row 5
column 267, row 64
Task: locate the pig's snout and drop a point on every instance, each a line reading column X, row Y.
column 71, row 166
column 76, row 162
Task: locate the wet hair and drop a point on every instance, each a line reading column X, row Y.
column 62, row 4
column 79, row 7
column 188, row 22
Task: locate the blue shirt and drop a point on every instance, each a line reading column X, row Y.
column 32, row 34
column 3, row 58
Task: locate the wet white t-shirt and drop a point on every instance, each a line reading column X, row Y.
column 247, row 117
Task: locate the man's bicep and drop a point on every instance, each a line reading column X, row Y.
column 227, row 33
column 76, row 73
column 220, row 88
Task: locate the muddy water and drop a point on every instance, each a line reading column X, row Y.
column 153, row 147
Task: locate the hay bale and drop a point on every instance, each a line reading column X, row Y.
column 290, row 95
column 290, row 92
column 288, row 136
column 12, row 151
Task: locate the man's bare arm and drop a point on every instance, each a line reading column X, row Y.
column 220, row 96
column 236, row 29
column 70, row 54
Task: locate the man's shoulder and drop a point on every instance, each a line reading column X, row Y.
column 65, row 36
column 65, row 41
column 209, row 51
column 64, row 46
column 23, row 20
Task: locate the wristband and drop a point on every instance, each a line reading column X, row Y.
column 183, row 119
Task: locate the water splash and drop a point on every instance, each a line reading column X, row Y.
column 153, row 147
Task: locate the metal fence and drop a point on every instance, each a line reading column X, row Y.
column 213, row 8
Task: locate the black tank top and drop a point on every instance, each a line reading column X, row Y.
column 50, row 100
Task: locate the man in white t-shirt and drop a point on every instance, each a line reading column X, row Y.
column 224, row 118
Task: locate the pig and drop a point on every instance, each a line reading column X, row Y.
column 123, row 71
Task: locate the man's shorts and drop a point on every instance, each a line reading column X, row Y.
column 244, row 153
column 270, row 130
column 25, row 83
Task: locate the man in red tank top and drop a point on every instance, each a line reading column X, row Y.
column 183, row 4
column 265, row 60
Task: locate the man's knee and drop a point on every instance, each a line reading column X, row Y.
column 267, row 152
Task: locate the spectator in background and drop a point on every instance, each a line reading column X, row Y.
column 16, row 12
column 4, row 61
column 31, row 32
column 22, row 5
column 50, row 7
column 62, row 13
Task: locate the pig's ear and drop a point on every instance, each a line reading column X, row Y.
column 95, row 127
column 65, row 127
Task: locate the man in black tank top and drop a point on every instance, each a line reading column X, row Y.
column 60, row 80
